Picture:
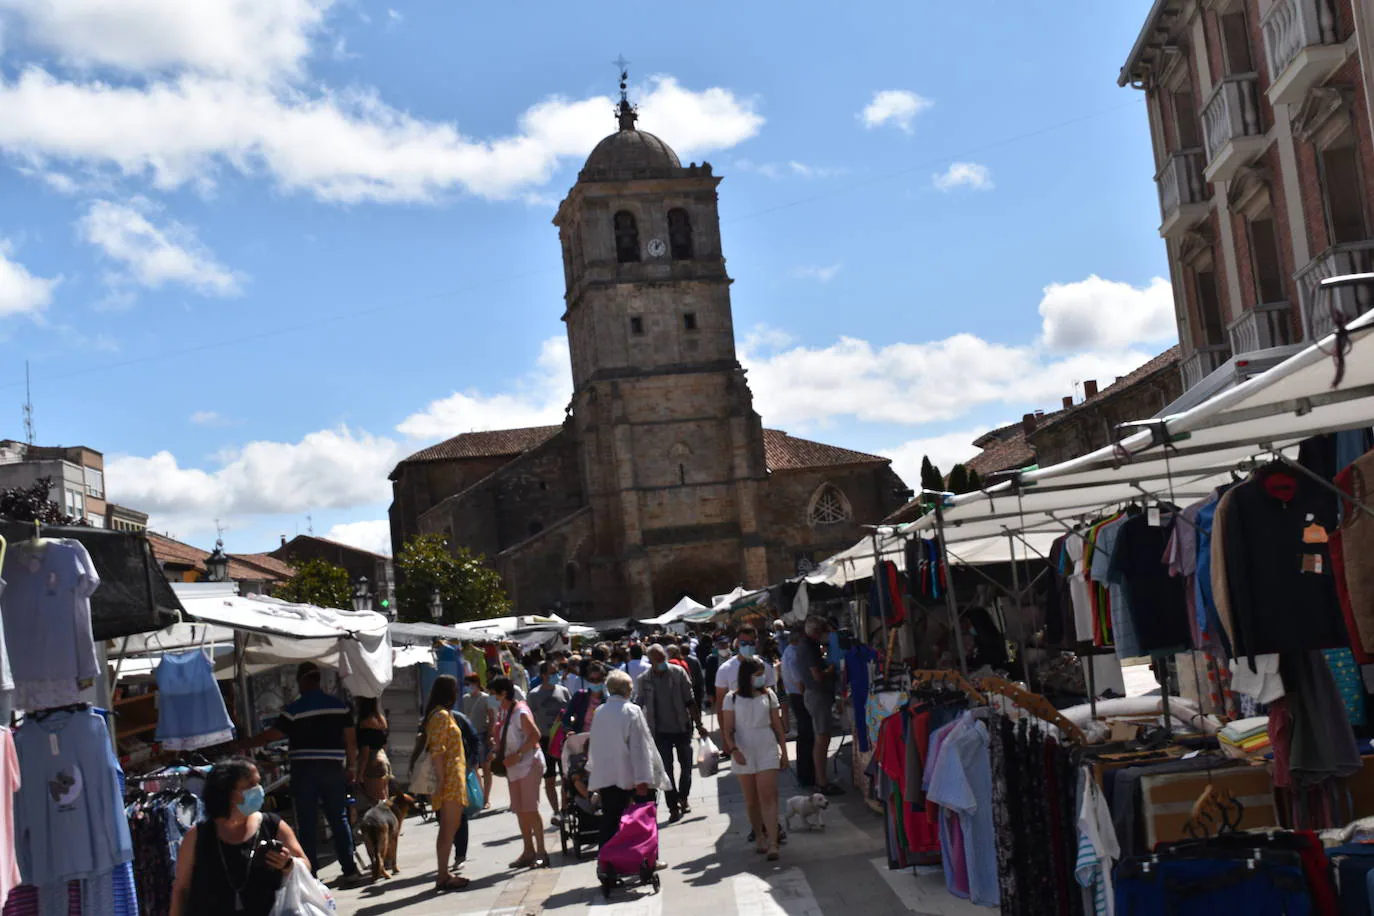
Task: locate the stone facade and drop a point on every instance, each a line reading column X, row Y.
column 662, row 482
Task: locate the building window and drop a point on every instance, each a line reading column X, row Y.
column 95, row 483
column 1185, row 119
column 1264, row 254
column 829, row 507
column 626, row 237
column 1340, row 175
column 637, row 326
column 680, row 234
column 1235, row 44
column 1209, row 309
column 96, row 521
column 689, row 321
column 76, row 503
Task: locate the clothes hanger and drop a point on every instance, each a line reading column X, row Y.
column 1034, row 704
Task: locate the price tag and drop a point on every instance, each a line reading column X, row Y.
column 1152, row 516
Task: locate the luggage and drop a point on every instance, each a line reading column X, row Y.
column 633, row 851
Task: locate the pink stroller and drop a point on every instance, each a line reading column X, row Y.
column 633, row 852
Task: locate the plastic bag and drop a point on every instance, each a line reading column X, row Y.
column 475, row 797
column 302, row 894
column 708, row 758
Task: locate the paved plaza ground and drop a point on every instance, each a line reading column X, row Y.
column 712, row 870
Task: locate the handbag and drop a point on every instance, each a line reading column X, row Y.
column 424, row 776
column 476, row 800
column 302, row 894
column 498, row 760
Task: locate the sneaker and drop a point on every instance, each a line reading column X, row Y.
column 830, row 789
column 355, row 879
column 675, row 815
column 556, row 820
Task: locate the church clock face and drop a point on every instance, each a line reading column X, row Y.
column 657, row 248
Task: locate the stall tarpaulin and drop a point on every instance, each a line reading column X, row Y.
column 355, row 643
column 679, row 611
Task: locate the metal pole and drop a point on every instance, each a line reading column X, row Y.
column 245, row 704
column 950, row 603
column 1020, row 607
column 882, row 590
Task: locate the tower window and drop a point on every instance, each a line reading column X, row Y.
column 680, row 234
column 636, row 325
column 626, row 237
column 828, row 507
column 689, row 321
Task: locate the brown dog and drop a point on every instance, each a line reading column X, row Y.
column 380, row 829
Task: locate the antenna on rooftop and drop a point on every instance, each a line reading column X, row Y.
column 28, row 406
column 310, row 524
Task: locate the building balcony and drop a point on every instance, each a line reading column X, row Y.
column 1231, row 127
column 1202, row 362
column 1301, row 47
column 1182, row 192
column 1261, row 328
column 1318, row 315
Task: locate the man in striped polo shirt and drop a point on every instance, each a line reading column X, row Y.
column 323, row 749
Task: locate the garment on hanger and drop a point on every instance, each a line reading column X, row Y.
column 47, row 610
column 9, row 784
column 962, row 784
column 1098, row 848
column 1155, row 599
column 1353, row 547
column 191, row 712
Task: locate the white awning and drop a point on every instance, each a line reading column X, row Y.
column 680, row 610
column 1179, row 459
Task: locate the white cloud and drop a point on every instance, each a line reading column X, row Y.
column 151, row 255
column 394, row 16
column 945, row 451
column 964, row 175
column 208, row 418
column 792, row 168
column 540, row 399
column 1098, row 313
column 821, row 274
column 344, row 146
column 373, row 535
column 21, row 293
column 253, row 40
column 897, row 107
column 329, row 469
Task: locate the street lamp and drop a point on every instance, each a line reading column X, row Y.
column 362, row 595
column 217, row 564
column 436, row 606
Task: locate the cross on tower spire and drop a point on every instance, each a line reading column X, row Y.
column 625, row 113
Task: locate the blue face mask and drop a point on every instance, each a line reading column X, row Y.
column 252, row 801
column 747, row 650
column 661, row 666
column 555, row 680
column 597, row 688
column 759, row 681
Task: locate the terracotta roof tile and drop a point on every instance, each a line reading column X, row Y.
column 1169, row 357
column 788, row 453
column 1008, row 454
column 494, row 443
column 241, row 566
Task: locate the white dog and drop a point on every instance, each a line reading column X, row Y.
column 810, row 808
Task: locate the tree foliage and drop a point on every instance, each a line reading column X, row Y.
column 317, row 582
column 975, row 482
column 33, row 504
column 931, row 478
column 958, row 479
column 468, row 588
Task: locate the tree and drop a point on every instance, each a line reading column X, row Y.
column 958, row 479
column 931, row 478
column 317, row 582
column 975, row 482
column 468, row 588
column 32, row 504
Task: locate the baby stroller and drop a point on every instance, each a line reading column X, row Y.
column 632, row 854
column 581, row 812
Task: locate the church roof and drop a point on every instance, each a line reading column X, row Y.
column 493, row 443
column 788, row 453
column 630, row 154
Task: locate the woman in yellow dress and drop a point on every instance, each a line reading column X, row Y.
column 444, row 741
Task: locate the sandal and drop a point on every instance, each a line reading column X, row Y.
column 524, row 862
column 452, row 883
column 773, row 853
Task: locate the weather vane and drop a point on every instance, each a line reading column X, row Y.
column 625, row 113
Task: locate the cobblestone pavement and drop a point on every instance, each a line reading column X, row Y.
column 711, row 870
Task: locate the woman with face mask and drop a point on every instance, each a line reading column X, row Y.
column 232, row 863
column 751, row 727
column 583, row 705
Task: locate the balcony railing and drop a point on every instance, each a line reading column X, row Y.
column 1202, row 362
column 1350, row 301
column 1231, row 125
column 1262, row 327
column 1301, row 45
column 1181, row 186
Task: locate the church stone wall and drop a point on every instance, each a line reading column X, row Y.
column 421, row 486
column 872, row 491
column 551, row 571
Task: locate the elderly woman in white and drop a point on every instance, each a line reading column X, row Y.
column 623, row 761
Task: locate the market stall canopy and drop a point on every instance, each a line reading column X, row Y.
column 1179, row 459
column 356, row 643
column 680, row 610
column 417, row 634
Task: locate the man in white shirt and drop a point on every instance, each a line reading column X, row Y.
column 727, row 675
column 636, row 665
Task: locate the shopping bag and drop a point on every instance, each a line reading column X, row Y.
column 708, row 757
column 475, row 797
column 424, row 779
column 302, row 894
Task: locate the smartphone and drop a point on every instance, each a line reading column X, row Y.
column 272, row 846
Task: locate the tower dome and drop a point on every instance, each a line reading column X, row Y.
column 629, row 153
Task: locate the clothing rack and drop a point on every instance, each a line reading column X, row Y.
column 1034, row 704
column 941, row 677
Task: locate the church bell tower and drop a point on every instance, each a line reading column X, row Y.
column 672, row 449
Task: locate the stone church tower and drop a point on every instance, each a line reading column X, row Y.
column 672, row 451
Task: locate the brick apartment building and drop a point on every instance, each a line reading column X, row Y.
column 1260, row 113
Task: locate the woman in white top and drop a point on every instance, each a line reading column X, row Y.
column 751, row 728
column 517, row 740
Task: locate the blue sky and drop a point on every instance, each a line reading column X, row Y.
column 257, row 250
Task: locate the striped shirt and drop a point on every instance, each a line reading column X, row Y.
column 314, row 725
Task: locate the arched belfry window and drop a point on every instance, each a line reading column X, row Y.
column 680, row 234
column 626, row 237
column 828, row 507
